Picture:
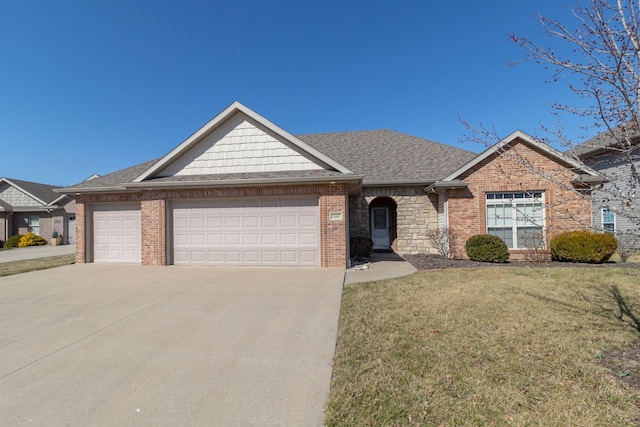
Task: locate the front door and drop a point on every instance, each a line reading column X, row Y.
column 380, row 228
column 71, row 230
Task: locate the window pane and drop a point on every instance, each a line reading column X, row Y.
column 499, row 215
column 505, row 234
column 530, row 237
column 379, row 219
column 607, row 216
column 34, row 224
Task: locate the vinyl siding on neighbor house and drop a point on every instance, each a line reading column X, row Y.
column 618, row 170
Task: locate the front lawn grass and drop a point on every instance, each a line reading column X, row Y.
column 18, row 267
column 498, row 346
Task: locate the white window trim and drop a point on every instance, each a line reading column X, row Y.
column 602, row 223
column 514, row 202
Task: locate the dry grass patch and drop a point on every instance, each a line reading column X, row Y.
column 18, row 267
column 517, row 346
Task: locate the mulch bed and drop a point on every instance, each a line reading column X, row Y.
column 435, row 262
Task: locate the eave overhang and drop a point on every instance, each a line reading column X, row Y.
column 213, row 183
column 441, row 186
column 590, row 179
column 402, row 183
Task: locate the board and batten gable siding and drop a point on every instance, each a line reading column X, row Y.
column 11, row 195
column 238, row 146
column 619, row 173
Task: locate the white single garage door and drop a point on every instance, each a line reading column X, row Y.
column 282, row 232
column 117, row 233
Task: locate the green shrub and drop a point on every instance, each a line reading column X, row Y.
column 361, row 247
column 31, row 239
column 486, row 248
column 12, row 242
column 583, row 246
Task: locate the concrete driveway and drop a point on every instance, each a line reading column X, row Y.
column 106, row 345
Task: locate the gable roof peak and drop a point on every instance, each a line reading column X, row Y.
column 532, row 142
column 42, row 193
column 233, row 109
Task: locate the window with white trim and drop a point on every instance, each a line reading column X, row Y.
column 608, row 220
column 34, row 224
column 516, row 217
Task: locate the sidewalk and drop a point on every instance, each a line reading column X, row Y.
column 385, row 265
column 33, row 252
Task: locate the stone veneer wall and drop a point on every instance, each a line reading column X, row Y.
column 505, row 172
column 416, row 211
column 333, row 245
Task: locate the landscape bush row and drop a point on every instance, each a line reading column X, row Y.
column 571, row 246
column 24, row 240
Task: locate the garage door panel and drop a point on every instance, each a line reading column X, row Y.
column 250, row 232
column 269, row 221
column 197, row 223
column 197, row 240
column 307, row 256
column 270, row 257
column 213, row 223
column 308, row 239
column 289, row 257
column 215, row 239
column 288, row 238
column 269, row 239
column 308, row 221
column 252, row 221
column 117, row 233
column 251, row 239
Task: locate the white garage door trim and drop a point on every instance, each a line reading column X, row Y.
column 117, row 233
column 258, row 232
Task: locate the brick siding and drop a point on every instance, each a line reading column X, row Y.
column 153, row 216
column 506, row 171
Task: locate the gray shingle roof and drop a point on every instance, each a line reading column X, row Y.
column 114, row 179
column 604, row 140
column 43, row 192
column 381, row 156
column 385, row 156
column 319, row 173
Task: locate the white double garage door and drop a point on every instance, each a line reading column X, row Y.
column 283, row 231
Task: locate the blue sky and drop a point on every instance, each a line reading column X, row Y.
column 92, row 87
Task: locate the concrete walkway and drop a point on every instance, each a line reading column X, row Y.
column 33, row 252
column 385, row 265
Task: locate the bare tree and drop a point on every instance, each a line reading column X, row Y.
column 443, row 239
column 598, row 56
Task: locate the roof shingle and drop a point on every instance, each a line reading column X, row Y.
column 387, row 156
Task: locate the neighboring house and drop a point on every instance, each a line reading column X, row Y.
column 33, row 207
column 243, row 191
column 616, row 203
